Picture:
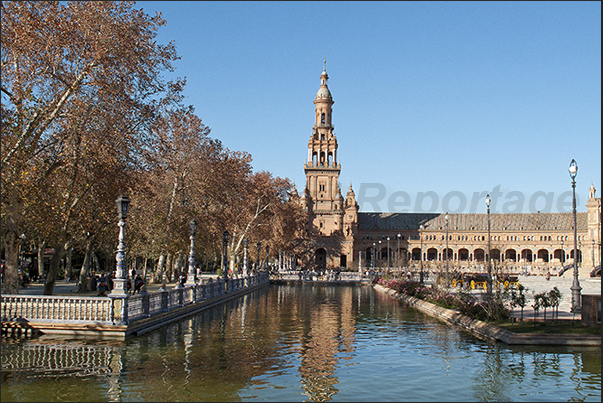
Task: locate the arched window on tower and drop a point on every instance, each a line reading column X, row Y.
column 322, row 118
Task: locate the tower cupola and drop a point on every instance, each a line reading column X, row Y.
column 323, row 93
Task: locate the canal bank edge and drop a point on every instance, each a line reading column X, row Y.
column 489, row 332
column 147, row 325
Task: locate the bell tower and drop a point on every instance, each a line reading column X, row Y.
column 322, row 195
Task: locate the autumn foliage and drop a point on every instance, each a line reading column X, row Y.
column 87, row 115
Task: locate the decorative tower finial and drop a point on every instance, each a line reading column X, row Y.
column 324, row 68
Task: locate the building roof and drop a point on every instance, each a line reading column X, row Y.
column 472, row 222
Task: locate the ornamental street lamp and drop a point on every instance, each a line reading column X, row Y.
column 373, row 256
column 421, row 228
column 23, row 238
column 280, row 260
column 447, row 274
column 576, row 305
column 225, row 237
column 267, row 254
column 388, row 253
column 398, row 252
column 245, row 244
column 190, row 279
column 257, row 265
column 489, row 280
column 119, row 282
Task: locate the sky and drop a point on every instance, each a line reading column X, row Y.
column 436, row 103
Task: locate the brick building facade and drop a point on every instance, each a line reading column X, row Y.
column 342, row 237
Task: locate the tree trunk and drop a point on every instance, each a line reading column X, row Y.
column 159, row 269
column 95, row 264
column 12, row 244
column 68, row 262
column 83, row 285
column 144, row 269
column 55, row 263
column 41, row 248
column 177, row 265
column 169, row 267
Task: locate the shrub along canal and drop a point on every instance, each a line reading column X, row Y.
column 299, row 342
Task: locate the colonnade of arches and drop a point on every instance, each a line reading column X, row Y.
column 399, row 256
column 323, row 158
column 402, row 256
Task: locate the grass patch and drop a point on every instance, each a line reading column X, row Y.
column 561, row 327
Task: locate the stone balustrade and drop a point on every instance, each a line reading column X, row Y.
column 77, row 314
column 49, row 308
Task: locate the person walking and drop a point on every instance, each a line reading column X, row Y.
column 138, row 283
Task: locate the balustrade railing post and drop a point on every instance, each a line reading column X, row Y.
column 193, row 292
column 209, row 289
column 164, row 299
column 119, row 310
column 145, row 304
column 180, row 296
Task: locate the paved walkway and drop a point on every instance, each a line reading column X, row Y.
column 537, row 284
column 62, row 287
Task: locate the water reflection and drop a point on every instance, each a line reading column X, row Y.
column 299, row 343
column 528, row 371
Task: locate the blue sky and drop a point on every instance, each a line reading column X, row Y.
column 435, row 102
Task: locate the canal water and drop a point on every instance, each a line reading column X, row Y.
column 303, row 342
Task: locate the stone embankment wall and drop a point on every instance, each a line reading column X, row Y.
column 486, row 331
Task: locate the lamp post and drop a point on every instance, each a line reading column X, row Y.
column 23, row 238
column 267, row 254
column 119, row 282
column 373, row 256
column 225, row 238
column 190, row 280
column 576, row 305
column 398, row 252
column 447, row 274
column 245, row 245
column 388, row 266
column 593, row 243
column 257, row 265
column 489, row 281
column 421, row 228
